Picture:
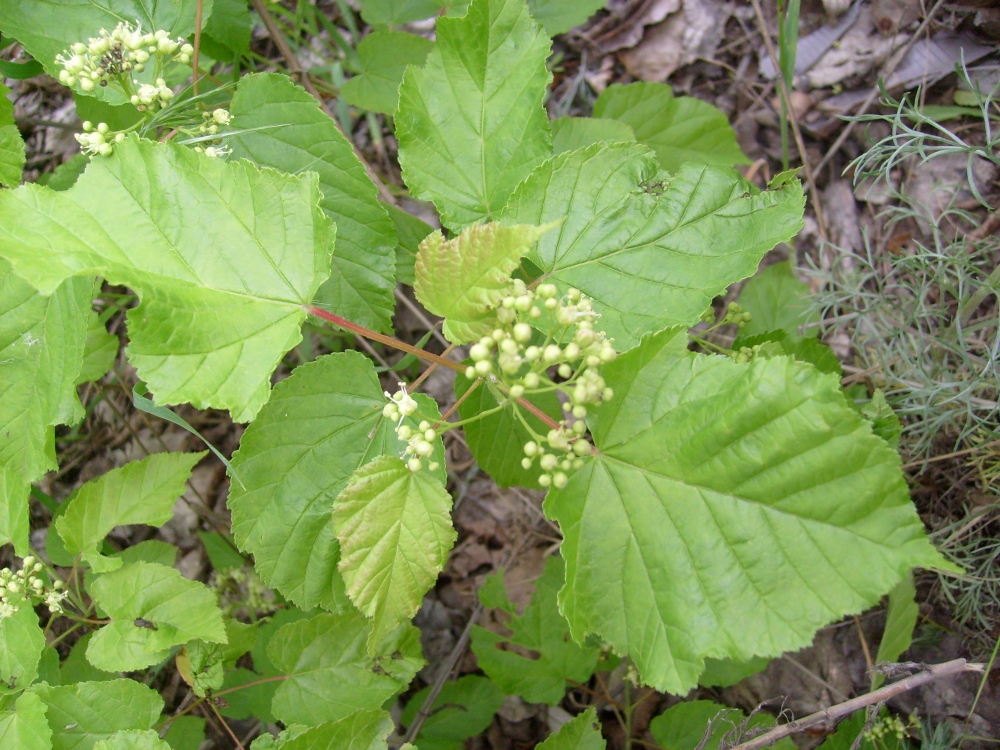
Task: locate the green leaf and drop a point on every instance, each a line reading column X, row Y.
column 25, row 727
column 116, row 116
column 651, row 253
column 222, row 292
column 185, row 733
column 497, row 440
column 221, row 551
column 464, row 708
column 680, row 129
column 493, row 593
column 559, row 16
column 256, row 700
column 139, row 492
column 331, row 675
column 900, row 621
column 230, row 26
column 99, row 352
column 541, row 629
column 132, row 739
column 76, row 668
column 395, row 532
column 726, row 511
column 277, row 124
column 11, row 143
column 777, row 300
column 470, row 123
column 152, row 608
column 21, row 645
column 320, row 425
column 362, row 730
column 851, row 729
column 66, row 174
column 684, row 726
column 48, row 667
column 572, row 133
column 397, row 12
column 151, row 551
column 411, row 231
column 582, row 733
column 202, row 665
column 45, row 29
column 885, row 422
column 463, row 279
column 726, row 672
column 81, row 715
column 384, row 55
column 41, row 351
column 779, row 343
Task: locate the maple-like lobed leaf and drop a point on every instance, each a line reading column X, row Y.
column 223, row 291
column 470, row 123
column 581, row 733
column 728, row 527
column 652, row 251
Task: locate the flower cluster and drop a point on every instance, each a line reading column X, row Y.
column 568, row 349
column 892, row 725
column 420, row 440
column 98, row 139
column 154, row 96
column 211, row 122
column 113, row 56
column 25, row 586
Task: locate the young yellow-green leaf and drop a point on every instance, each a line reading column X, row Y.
column 464, row 708
column 11, row 143
column 900, row 621
column 398, row 12
column 152, row 608
column 83, row 714
column 726, row 510
column 24, row 727
column 46, row 29
column 132, row 739
column 463, row 279
column 572, row 133
column 395, row 532
column 582, row 733
column 777, row 300
column 543, row 629
column 497, row 440
column 21, row 646
column 684, row 726
column 651, row 252
column 559, row 16
column 680, row 129
column 470, row 123
column 76, row 668
column 331, row 675
column 278, row 124
column 222, row 291
column 384, row 56
column 41, row 352
column 320, row 425
column 139, row 492
column 726, row 672
column 362, row 730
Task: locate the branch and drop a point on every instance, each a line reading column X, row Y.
column 833, row 714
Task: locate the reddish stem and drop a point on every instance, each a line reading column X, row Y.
column 427, row 356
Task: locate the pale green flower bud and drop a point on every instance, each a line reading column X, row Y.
column 414, row 464
column 531, row 448
column 522, row 333
column 531, row 380
column 581, row 447
column 526, row 463
column 565, row 370
column 545, row 480
column 483, row 368
column 516, row 391
column 560, row 480
column 478, row 352
column 551, row 353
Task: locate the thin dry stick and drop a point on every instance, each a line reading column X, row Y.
column 786, row 99
column 887, row 71
column 830, row 716
column 225, row 726
column 419, row 315
column 296, row 67
column 442, row 676
column 427, row 373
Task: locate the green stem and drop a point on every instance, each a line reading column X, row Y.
column 988, row 287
